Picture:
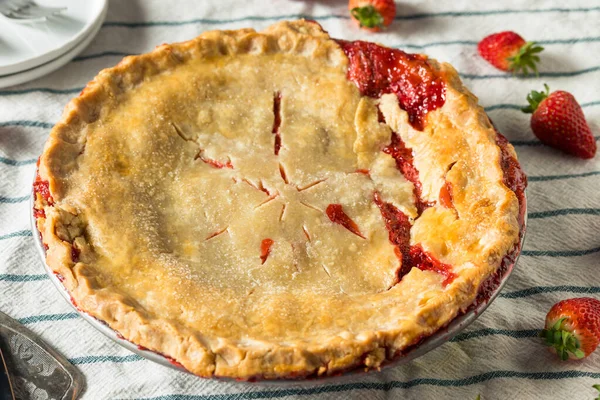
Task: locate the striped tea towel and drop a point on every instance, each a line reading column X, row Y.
column 498, row 356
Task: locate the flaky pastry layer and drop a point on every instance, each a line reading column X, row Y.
column 166, row 183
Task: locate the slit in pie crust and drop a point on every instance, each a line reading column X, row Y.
column 277, row 204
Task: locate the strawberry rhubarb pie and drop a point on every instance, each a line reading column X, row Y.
column 277, row 204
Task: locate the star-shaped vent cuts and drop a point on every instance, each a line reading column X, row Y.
column 292, row 206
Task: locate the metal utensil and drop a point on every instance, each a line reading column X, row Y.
column 27, row 10
column 6, row 389
column 36, row 371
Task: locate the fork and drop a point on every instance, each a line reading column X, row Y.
column 27, row 10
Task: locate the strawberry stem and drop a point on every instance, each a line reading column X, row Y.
column 526, row 59
column 534, row 99
column 562, row 340
column 367, row 16
column 597, row 387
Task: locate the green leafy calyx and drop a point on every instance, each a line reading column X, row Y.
column 534, row 99
column 526, row 59
column 562, row 340
column 368, row 16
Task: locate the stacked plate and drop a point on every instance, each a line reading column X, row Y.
column 29, row 50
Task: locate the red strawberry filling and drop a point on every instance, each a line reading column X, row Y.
column 404, row 161
column 514, row 177
column 516, row 180
column 42, row 188
column 75, row 254
column 336, row 214
column 277, row 121
column 426, row 262
column 446, row 199
column 215, row 163
column 265, row 249
column 398, row 226
column 377, row 70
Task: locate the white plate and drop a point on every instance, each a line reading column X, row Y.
column 34, row 73
column 26, row 45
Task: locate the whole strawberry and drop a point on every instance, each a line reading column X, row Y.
column 508, row 51
column 573, row 327
column 558, row 121
column 372, row 15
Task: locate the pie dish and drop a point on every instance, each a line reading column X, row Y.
column 277, row 204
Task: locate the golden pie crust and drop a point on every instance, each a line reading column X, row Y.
column 165, row 185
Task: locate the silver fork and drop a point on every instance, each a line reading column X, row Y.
column 27, row 10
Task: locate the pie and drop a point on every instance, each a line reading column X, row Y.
column 277, row 204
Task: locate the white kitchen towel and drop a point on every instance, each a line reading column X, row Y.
column 499, row 355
